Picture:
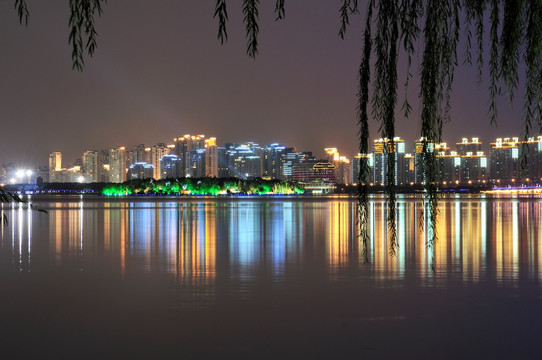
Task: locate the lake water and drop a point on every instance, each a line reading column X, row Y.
column 274, row 277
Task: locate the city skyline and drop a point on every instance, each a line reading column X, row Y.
column 509, row 161
column 321, row 153
column 300, row 89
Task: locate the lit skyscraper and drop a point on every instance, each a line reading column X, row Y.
column 55, row 165
column 156, row 153
column 273, row 161
column 381, row 148
column 90, row 166
column 117, row 164
column 211, row 157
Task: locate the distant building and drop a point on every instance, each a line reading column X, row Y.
column 356, row 168
column 117, row 165
column 272, row 162
column 196, row 161
column 169, row 166
column 316, row 176
column 55, row 165
column 211, row 157
column 244, row 160
column 382, row 148
column 90, row 166
column 465, row 146
column 140, row 170
column 289, row 159
column 474, row 167
column 156, row 153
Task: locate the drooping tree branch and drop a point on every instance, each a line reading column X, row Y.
column 250, row 12
column 364, row 77
column 222, row 14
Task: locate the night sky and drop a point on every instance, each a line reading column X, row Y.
column 159, row 72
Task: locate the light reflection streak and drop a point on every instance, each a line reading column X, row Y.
column 479, row 239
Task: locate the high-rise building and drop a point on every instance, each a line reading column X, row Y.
column 55, row 165
column 356, row 168
column 103, row 166
column 196, row 161
column 244, row 160
column 272, row 161
column 90, row 166
column 382, row 148
column 223, row 163
column 139, row 154
column 343, row 167
column 182, row 147
column 474, row 167
column 211, row 157
column 466, row 146
column 289, row 158
column 117, row 165
column 140, row 170
column 450, row 167
column 169, row 166
column 504, row 157
column 423, row 150
column 533, row 160
column 156, row 153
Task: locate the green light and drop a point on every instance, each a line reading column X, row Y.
column 203, row 186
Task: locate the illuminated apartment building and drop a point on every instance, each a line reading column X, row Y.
column 343, row 166
column 140, row 170
column 55, row 165
column 211, row 157
column 513, row 161
column 244, row 160
column 272, row 161
column 156, row 153
column 474, row 168
column 117, row 165
column 289, row 159
column 183, row 145
column 504, row 160
column 450, row 167
column 465, row 146
column 139, row 154
column 382, row 148
column 423, row 149
column 356, row 167
column 90, row 166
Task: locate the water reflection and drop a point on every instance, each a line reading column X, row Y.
column 245, row 241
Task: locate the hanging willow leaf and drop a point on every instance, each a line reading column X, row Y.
column 364, row 77
column 511, row 39
column 345, row 19
column 279, row 10
column 22, row 11
column 222, row 14
column 385, row 99
column 494, row 67
column 81, row 24
column 250, row 12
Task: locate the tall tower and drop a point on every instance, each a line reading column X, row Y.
column 157, row 152
column 117, row 165
column 90, row 166
column 211, row 157
column 55, row 164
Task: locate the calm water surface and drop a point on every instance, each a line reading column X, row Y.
column 269, row 278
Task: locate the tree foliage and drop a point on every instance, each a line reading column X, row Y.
column 426, row 29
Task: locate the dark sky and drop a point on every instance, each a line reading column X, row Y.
column 159, row 72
